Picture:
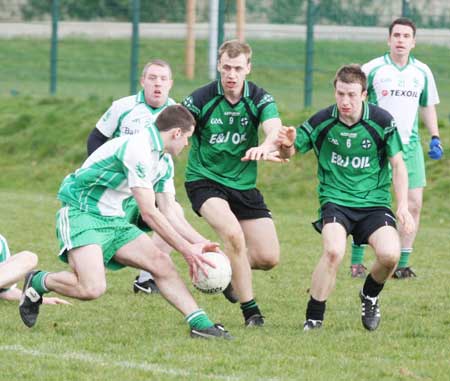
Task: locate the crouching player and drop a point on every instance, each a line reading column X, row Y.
column 94, row 232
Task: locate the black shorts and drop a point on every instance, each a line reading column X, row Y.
column 245, row 204
column 359, row 222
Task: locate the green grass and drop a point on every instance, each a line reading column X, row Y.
column 123, row 336
column 101, row 67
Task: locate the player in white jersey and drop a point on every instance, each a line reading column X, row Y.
column 403, row 85
column 14, row 268
column 130, row 115
column 94, row 231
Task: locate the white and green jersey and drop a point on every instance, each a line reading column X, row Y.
column 4, row 255
column 103, row 184
column 129, row 116
column 401, row 90
column 4, row 249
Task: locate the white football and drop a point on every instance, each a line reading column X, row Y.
column 218, row 278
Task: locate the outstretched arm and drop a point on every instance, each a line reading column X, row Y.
column 145, row 199
column 15, row 294
column 173, row 211
column 266, row 149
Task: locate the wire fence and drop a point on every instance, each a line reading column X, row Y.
column 426, row 13
column 92, row 52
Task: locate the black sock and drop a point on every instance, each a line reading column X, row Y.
column 372, row 288
column 250, row 308
column 315, row 309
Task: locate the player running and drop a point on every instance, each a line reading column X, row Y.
column 220, row 185
column 354, row 143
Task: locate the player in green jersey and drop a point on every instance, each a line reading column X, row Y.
column 94, row 231
column 354, row 143
column 220, row 184
column 14, row 268
column 403, row 85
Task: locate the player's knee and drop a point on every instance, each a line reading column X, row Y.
column 268, row 261
column 234, row 239
column 93, row 291
column 31, row 260
column 162, row 264
column 389, row 257
column 334, row 256
column 415, row 208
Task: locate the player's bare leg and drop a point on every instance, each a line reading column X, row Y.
column 415, row 201
column 263, row 248
column 16, row 266
column 334, row 238
column 386, row 245
column 218, row 214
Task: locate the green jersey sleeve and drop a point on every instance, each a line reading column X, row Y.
column 393, row 141
column 303, row 141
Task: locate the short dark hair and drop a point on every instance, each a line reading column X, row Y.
column 175, row 116
column 403, row 21
column 351, row 73
column 235, row 48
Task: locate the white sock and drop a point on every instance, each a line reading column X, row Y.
column 144, row 276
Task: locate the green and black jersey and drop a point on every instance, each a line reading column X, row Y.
column 353, row 166
column 224, row 132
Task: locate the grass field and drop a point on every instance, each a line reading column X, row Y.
column 123, row 336
column 100, row 68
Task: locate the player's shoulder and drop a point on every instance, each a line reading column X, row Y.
column 420, row 65
column 327, row 113
column 171, row 102
column 126, row 102
column 378, row 115
column 203, row 94
column 372, row 64
column 257, row 94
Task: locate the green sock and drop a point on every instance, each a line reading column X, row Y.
column 38, row 282
column 199, row 320
column 357, row 254
column 404, row 257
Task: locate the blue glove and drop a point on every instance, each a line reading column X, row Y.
column 436, row 150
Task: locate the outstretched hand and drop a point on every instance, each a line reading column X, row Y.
column 196, row 260
column 273, row 156
column 286, row 136
column 53, row 300
column 261, row 152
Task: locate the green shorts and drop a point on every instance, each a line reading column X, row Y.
column 75, row 228
column 415, row 165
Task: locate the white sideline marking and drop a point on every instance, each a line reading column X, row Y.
column 104, row 361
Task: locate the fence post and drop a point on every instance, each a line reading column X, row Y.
column 405, row 8
column 220, row 30
column 221, row 25
column 213, row 38
column 190, row 39
column 240, row 20
column 54, row 47
column 134, row 59
column 309, row 53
